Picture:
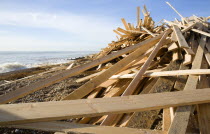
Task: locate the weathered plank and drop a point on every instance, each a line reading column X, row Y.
column 138, row 15
column 180, row 37
column 166, row 119
column 42, row 111
column 125, row 24
column 165, row 73
column 174, row 9
column 83, row 128
column 201, row 32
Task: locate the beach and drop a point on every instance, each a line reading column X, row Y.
column 10, row 81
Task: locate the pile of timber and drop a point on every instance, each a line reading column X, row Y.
column 154, row 75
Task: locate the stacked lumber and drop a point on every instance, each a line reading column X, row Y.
column 152, row 77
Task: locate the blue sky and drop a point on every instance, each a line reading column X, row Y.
column 73, row 25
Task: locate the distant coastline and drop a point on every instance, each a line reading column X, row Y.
column 17, row 60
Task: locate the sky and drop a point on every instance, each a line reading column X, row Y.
column 78, row 25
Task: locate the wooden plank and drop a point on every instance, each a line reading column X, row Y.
column 125, row 24
column 60, row 133
column 42, row 111
column 134, row 83
column 145, row 19
column 201, row 32
column 165, row 73
column 83, row 128
column 130, row 27
column 89, row 86
column 146, row 11
column 166, row 119
column 138, row 16
column 123, row 31
column 21, row 92
column 176, row 11
column 172, row 112
column 173, row 37
column 181, row 118
column 180, row 37
column 136, row 32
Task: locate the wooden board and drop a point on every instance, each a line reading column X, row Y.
column 125, row 24
column 166, row 119
column 180, row 37
column 42, row 111
column 122, row 30
column 165, row 73
column 83, row 128
column 138, row 15
column 201, row 32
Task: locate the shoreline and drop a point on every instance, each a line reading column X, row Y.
column 24, row 60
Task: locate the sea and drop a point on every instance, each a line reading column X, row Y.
column 16, row 60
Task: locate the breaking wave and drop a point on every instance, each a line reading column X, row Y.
column 7, row 67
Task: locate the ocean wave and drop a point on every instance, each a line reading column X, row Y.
column 7, row 67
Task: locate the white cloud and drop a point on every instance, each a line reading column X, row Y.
column 87, row 29
column 85, row 26
column 25, row 43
